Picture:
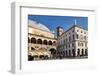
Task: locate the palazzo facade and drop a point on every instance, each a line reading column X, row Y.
column 41, row 41
column 72, row 42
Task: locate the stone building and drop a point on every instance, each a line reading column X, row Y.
column 41, row 41
column 73, row 42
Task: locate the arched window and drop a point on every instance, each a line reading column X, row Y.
column 39, row 41
column 66, row 53
column 54, row 42
column 69, row 45
column 69, row 38
column 84, row 37
column 52, row 50
column 45, row 42
column 63, row 53
column 29, row 40
column 50, row 42
column 85, row 44
column 33, row 40
column 86, row 52
column 66, row 40
column 73, row 51
column 69, row 52
column 77, row 36
column 73, row 37
column 82, row 52
column 78, row 52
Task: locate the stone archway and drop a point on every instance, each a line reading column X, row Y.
column 50, row 42
column 86, row 52
column 73, row 52
column 69, row 53
column 45, row 42
column 30, row 58
column 66, row 53
column 53, row 52
column 78, row 52
column 39, row 41
column 82, row 52
column 33, row 40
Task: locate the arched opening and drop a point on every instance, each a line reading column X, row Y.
column 35, row 57
column 54, row 42
column 69, row 52
column 77, row 36
column 82, row 53
column 73, row 51
column 29, row 40
column 41, row 56
column 33, row 40
column 86, row 52
column 63, row 53
column 78, row 52
column 30, row 58
column 73, row 37
column 50, row 42
column 39, row 41
column 46, row 57
column 45, row 42
column 66, row 53
column 69, row 38
column 53, row 52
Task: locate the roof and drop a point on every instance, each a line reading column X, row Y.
column 73, row 27
column 34, row 24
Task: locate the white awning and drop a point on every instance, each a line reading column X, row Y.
column 32, row 53
column 39, row 53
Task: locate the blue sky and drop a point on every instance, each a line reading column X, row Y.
column 64, row 21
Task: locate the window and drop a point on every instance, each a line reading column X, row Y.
column 77, row 36
column 39, row 41
column 69, row 38
column 73, row 37
column 63, row 41
column 66, row 45
column 33, row 40
column 78, row 43
column 69, row 45
column 82, row 44
column 82, row 52
column 84, row 37
column 50, row 42
column 72, row 30
column 72, row 44
column 66, row 39
column 85, row 44
column 81, row 31
column 54, row 42
column 77, row 30
column 45, row 42
column 78, row 52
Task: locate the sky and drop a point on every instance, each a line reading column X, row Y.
column 65, row 22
